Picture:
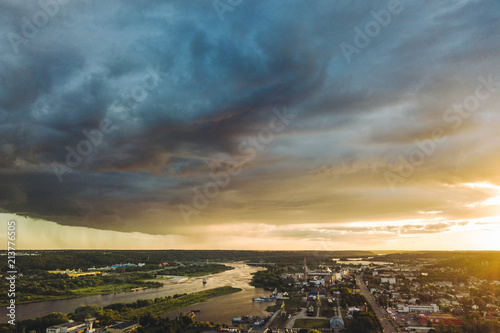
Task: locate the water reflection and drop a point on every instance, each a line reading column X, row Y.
column 220, row 309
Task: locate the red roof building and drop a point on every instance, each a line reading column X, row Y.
column 446, row 319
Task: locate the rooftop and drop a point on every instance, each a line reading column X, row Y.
column 124, row 324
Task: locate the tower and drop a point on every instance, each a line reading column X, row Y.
column 305, row 270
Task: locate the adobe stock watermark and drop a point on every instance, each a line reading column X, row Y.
column 11, row 271
column 39, row 20
column 248, row 150
column 123, row 107
column 362, row 39
column 222, row 6
column 452, row 117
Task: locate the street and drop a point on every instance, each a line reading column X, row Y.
column 382, row 315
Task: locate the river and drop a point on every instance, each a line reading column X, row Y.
column 219, row 309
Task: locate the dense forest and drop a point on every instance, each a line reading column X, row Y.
column 71, row 259
column 480, row 264
column 269, row 279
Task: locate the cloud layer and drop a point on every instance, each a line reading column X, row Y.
column 129, row 117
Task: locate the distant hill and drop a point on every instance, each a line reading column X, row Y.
column 63, row 259
column 481, row 264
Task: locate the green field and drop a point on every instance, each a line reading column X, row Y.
column 312, row 323
column 326, row 310
column 105, row 289
column 293, row 302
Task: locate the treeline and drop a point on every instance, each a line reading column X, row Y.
column 38, row 325
column 347, row 298
column 142, row 310
column 179, row 324
column 196, row 270
column 269, row 279
column 364, row 322
column 164, row 325
column 480, row 264
column 475, row 323
column 483, row 266
column 63, row 259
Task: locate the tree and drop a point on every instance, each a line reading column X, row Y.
column 186, row 321
column 149, row 319
column 106, row 316
column 382, row 300
column 55, row 318
column 86, row 311
column 365, row 322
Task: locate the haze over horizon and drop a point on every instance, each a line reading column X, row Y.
column 253, row 125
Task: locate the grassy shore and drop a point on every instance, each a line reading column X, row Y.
column 168, row 304
column 82, row 292
column 196, row 270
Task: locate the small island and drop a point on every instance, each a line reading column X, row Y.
column 195, row 270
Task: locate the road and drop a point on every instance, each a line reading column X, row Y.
column 382, row 315
column 269, row 322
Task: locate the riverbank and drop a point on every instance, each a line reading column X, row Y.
column 223, row 309
column 52, row 288
column 238, row 277
column 126, row 311
column 167, row 304
column 170, row 279
column 195, row 270
column 103, row 290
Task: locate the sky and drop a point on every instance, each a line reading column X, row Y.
column 237, row 124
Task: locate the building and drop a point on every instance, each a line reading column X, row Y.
column 336, row 322
column 115, row 266
column 74, row 273
column 71, row 327
column 418, row 329
column 318, row 282
column 305, row 270
column 418, row 308
column 315, row 295
column 446, row 319
column 389, row 279
column 124, row 327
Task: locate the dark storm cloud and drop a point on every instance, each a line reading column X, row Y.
column 205, row 84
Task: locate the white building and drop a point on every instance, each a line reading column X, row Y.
column 390, row 279
column 418, row 308
column 336, row 322
column 71, row 327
